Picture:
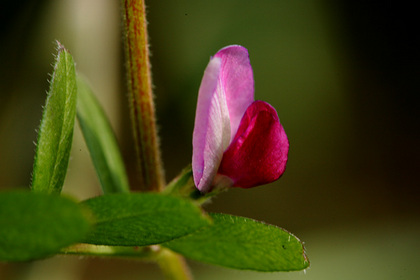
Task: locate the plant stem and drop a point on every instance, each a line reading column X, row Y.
column 173, row 265
column 143, row 120
column 140, row 94
column 83, row 249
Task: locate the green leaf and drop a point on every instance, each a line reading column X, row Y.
column 36, row 225
column 56, row 130
column 243, row 243
column 142, row 219
column 101, row 141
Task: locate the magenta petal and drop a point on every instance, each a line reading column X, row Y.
column 237, row 81
column 211, row 134
column 226, row 91
column 258, row 152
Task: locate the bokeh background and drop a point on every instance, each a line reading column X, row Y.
column 343, row 76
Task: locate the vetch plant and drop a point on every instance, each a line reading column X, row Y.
column 237, row 142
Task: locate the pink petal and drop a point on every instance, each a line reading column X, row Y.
column 237, row 81
column 258, row 153
column 226, row 91
column 211, row 134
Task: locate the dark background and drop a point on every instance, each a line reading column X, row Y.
column 343, row 77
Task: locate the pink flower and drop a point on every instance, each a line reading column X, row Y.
column 237, row 142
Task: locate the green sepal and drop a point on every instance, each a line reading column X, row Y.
column 183, row 186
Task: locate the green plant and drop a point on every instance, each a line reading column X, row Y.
column 161, row 224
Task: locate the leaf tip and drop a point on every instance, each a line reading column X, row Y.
column 60, row 47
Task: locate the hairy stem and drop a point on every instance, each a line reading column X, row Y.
column 144, row 123
column 140, row 94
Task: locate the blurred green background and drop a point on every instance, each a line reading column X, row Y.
column 342, row 75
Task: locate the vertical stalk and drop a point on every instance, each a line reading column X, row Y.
column 140, row 94
column 173, row 265
column 143, row 119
